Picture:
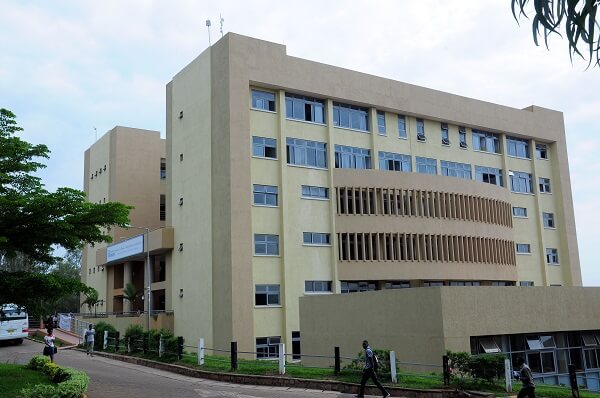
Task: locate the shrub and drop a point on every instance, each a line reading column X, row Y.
column 37, row 362
column 72, row 384
column 135, row 333
column 384, row 361
column 486, row 367
column 50, row 369
column 100, row 327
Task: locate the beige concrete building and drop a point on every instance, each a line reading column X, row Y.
column 289, row 178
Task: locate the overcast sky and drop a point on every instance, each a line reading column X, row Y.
column 69, row 66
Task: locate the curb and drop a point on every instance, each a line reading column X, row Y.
column 236, row 378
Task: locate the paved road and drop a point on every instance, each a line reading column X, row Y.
column 117, row 379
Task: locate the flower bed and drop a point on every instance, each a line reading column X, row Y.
column 66, row 382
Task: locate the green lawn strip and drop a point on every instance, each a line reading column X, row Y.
column 13, row 378
column 39, row 336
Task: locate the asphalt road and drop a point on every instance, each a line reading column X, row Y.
column 117, row 379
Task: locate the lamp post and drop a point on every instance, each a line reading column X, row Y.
column 147, row 244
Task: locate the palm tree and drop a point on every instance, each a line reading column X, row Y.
column 578, row 17
column 91, row 300
column 131, row 293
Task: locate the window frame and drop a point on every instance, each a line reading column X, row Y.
column 403, row 129
column 312, row 103
column 421, row 136
column 544, row 185
column 489, row 171
column 266, row 243
column 344, row 153
column 266, row 141
column 266, row 194
column 539, row 151
column 305, row 150
column 548, row 217
column 518, row 147
column 351, row 112
column 526, row 246
column 445, row 132
column 272, row 348
column 328, row 285
column 381, row 123
column 520, row 182
column 519, row 216
column 269, row 291
column 552, row 256
column 395, row 159
column 314, row 197
column 486, row 138
column 426, row 168
column 456, row 169
column 254, row 104
column 312, row 235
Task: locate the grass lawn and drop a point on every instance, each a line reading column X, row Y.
column 39, row 336
column 15, row 377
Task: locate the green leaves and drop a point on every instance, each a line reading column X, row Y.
column 578, row 17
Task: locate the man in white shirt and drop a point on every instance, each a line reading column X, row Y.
column 89, row 340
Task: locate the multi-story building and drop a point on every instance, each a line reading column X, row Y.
column 289, row 178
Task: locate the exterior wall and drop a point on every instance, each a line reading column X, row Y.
column 421, row 324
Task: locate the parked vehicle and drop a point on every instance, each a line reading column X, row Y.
column 14, row 323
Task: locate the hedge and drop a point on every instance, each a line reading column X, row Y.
column 69, row 383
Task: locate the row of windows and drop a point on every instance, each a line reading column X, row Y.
column 270, row 295
column 551, row 253
column 357, row 118
column 268, row 244
column 424, row 247
column 366, row 286
column 268, row 195
column 547, row 218
column 314, row 154
column 421, row 203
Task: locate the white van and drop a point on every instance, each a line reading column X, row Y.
column 14, row 324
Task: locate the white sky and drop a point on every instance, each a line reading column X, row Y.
column 69, row 66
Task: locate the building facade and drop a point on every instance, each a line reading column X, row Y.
column 289, row 178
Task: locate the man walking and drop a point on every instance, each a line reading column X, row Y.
column 89, row 340
column 526, row 378
column 369, row 372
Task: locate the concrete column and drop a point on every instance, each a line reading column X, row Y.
column 126, row 280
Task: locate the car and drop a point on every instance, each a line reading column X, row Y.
column 14, row 323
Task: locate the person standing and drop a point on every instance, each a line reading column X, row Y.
column 369, row 372
column 89, row 340
column 526, row 378
column 49, row 347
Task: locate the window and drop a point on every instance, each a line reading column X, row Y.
column 489, row 345
column 489, row 175
column 445, row 136
column 526, row 283
column 402, row 126
column 544, row 184
column 548, row 220
column 310, row 192
column 316, row 238
column 462, row 137
column 162, row 208
column 453, row 169
column 163, row 168
column 265, row 195
column 317, row 286
column 519, row 212
column 517, row 147
column 264, row 147
column 266, row 295
column 464, row 283
column 426, row 165
column 395, row 162
column 266, row 245
column 304, row 108
column 350, row 116
column 348, row 157
column 263, row 100
column 353, row 287
column 421, row 130
column 296, row 345
column 486, row 142
column 381, row 122
column 267, row 347
column 433, row 283
column 523, row 248
column 397, row 285
column 520, row 182
column 502, row 283
column 306, row 153
column 552, row 256
column 541, row 151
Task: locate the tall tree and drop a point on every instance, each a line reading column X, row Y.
column 575, row 18
column 68, row 267
column 32, row 219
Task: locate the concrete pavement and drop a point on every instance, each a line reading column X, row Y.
column 117, row 379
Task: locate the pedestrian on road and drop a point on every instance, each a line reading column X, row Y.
column 89, row 340
column 49, row 347
column 369, row 372
column 526, row 378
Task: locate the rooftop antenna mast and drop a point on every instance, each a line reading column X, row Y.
column 221, row 20
column 208, row 27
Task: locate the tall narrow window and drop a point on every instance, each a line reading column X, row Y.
column 548, row 220
column 402, row 126
column 304, row 108
column 462, row 137
column 426, row 165
column 296, row 353
column 445, row 134
column 348, row 157
column 351, row 116
column 163, row 208
column 421, row 130
column 263, row 100
column 381, row 122
column 394, row 161
column 163, row 168
column 486, row 142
